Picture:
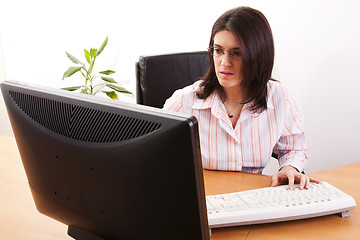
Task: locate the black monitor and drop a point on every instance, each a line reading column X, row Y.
column 109, row 170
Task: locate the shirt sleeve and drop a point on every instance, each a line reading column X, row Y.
column 291, row 147
column 182, row 100
column 174, row 103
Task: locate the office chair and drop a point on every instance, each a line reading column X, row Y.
column 158, row 76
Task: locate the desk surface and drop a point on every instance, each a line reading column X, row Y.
column 19, row 218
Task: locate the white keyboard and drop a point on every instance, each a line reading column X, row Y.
column 274, row 204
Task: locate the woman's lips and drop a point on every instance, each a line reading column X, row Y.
column 226, row 73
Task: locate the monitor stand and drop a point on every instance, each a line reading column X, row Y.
column 80, row 234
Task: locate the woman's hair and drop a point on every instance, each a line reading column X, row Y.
column 257, row 50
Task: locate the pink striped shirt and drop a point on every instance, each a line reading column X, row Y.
column 248, row 146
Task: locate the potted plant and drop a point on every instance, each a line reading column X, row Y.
column 106, row 84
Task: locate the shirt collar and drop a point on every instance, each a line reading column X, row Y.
column 214, row 102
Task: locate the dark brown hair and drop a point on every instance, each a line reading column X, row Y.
column 257, row 48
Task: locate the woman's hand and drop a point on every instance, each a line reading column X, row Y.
column 291, row 175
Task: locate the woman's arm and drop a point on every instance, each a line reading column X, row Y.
column 291, row 148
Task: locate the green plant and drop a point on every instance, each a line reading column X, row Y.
column 107, row 85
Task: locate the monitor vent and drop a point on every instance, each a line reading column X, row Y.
column 81, row 123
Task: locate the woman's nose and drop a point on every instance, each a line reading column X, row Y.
column 226, row 59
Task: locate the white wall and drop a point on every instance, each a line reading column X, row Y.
column 317, row 52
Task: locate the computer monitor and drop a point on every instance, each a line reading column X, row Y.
column 109, row 170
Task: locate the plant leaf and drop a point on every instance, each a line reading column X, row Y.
column 102, row 46
column 87, row 55
column 111, row 94
column 108, row 79
column 74, row 59
column 71, row 88
column 93, row 52
column 107, row 72
column 71, row 71
column 118, row 89
column 86, row 90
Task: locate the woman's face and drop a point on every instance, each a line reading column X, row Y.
column 228, row 61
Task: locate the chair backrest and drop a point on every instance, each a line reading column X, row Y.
column 158, row 76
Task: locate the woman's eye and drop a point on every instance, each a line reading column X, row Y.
column 219, row 51
column 237, row 53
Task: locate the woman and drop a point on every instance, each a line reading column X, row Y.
column 243, row 114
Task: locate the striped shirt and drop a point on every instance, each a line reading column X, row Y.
column 248, row 146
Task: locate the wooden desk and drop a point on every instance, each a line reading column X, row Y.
column 19, row 218
column 334, row 227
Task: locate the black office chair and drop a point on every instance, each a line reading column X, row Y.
column 158, row 76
